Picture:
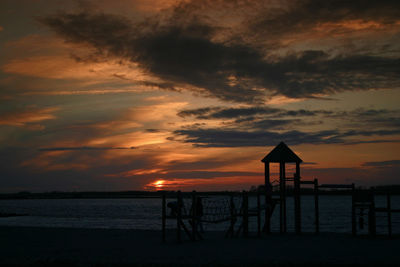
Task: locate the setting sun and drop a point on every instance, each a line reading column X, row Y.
column 159, row 184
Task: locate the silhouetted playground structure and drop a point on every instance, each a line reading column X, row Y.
column 236, row 211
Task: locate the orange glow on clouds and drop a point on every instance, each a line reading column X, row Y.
column 27, row 117
column 157, row 185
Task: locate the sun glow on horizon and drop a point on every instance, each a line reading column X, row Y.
column 157, row 185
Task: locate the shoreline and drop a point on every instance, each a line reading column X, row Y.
column 31, row 245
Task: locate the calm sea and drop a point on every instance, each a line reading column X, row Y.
column 335, row 213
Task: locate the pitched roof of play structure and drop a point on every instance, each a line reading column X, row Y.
column 281, row 153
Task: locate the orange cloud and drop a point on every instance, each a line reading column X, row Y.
column 27, row 118
column 52, row 58
column 47, row 161
column 64, row 67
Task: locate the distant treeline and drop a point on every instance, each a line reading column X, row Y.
column 383, row 189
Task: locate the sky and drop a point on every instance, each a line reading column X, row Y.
column 191, row 95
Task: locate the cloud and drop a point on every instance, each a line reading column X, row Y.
column 188, row 174
column 197, row 112
column 342, row 17
column 386, row 163
column 28, row 118
column 260, row 116
column 238, row 138
column 233, row 113
column 82, row 148
column 39, row 171
column 183, row 48
column 262, row 125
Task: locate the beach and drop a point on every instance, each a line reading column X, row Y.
column 34, row 245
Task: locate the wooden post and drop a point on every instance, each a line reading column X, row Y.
column 266, row 174
column 179, row 217
column 164, row 215
column 353, row 211
column 194, row 215
column 283, row 196
column 268, row 204
column 297, row 204
column 316, row 206
column 258, row 214
column 245, row 214
column 280, row 200
column 389, row 213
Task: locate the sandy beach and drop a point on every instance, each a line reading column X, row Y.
column 29, row 245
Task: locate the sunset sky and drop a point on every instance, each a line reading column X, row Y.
column 148, row 94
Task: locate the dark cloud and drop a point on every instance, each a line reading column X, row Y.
column 41, row 171
column 233, row 113
column 309, row 163
column 386, row 163
column 198, row 175
column 252, row 126
column 197, row 112
column 183, row 48
column 269, row 124
column 153, row 130
column 82, row 148
column 303, row 15
column 239, row 112
column 256, row 117
column 237, row 138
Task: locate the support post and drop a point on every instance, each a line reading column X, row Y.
column 179, row 217
column 316, row 206
column 389, row 213
column 353, row 210
column 258, row 214
column 282, row 197
column 268, row 199
column 164, row 216
column 194, row 215
column 245, row 214
column 297, row 204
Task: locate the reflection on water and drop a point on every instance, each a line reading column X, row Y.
column 335, row 214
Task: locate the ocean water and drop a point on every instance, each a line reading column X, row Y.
column 145, row 213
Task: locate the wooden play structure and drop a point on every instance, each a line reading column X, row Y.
column 233, row 208
column 221, row 209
